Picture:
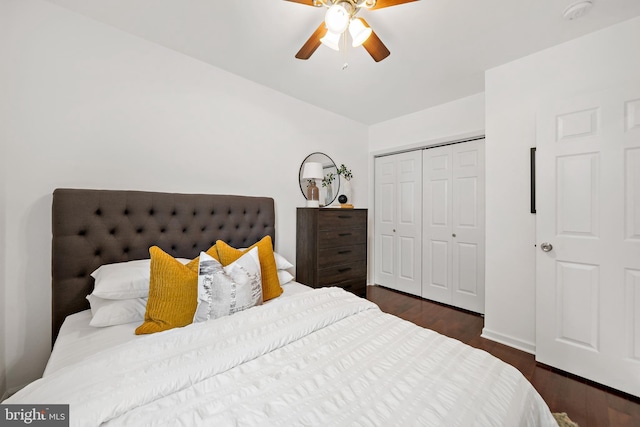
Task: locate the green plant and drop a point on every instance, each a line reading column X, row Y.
column 328, row 179
column 346, row 173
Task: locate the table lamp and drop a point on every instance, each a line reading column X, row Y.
column 311, row 172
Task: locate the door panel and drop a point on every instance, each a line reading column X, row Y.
column 587, row 178
column 436, row 237
column 439, row 264
column 453, row 233
column 577, row 309
column 632, row 321
column 468, row 225
column 467, row 277
column 632, row 193
column 409, row 224
column 398, row 221
column 386, row 252
column 439, row 203
column 384, row 220
column 577, row 195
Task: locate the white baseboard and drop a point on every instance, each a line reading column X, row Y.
column 519, row 344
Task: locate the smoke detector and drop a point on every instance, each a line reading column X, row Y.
column 577, row 9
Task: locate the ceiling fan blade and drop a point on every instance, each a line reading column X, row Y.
column 387, row 3
column 374, row 45
column 307, row 2
column 312, row 44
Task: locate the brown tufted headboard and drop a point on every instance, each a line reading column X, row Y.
column 95, row 227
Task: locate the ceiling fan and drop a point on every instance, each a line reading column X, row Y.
column 340, row 16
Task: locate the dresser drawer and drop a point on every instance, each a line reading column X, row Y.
column 341, row 237
column 329, row 257
column 357, row 286
column 330, row 276
column 341, row 218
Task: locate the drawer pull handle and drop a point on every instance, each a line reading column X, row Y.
column 344, row 216
column 344, row 252
column 344, row 234
column 342, row 270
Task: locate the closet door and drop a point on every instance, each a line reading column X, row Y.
column 468, row 226
column 398, row 221
column 453, row 233
column 438, row 228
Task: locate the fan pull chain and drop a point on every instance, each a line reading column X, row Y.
column 345, row 54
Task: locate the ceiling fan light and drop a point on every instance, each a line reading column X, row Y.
column 359, row 32
column 331, row 40
column 337, row 19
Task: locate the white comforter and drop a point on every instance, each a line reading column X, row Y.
column 323, row 358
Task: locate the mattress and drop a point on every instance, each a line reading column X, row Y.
column 323, row 357
column 78, row 340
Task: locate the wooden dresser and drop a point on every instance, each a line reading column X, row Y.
column 331, row 248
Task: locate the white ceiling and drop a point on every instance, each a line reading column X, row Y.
column 439, row 48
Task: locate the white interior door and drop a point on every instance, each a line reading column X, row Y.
column 398, row 221
column 588, row 235
column 453, row 227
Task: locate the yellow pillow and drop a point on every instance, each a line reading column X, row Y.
column 173, row 294
column 270, row 284
column 194, row 263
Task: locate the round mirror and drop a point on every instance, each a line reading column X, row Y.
column 320, row 168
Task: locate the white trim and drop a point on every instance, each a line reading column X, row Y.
column 526, row 346
column 451, row 139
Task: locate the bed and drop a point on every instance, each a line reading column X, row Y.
column 307, row 357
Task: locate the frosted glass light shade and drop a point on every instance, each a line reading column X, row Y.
column 337, row 19
column 331, row 40
column 359, row 32
column 312, row 170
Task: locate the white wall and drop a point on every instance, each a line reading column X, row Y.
column 513, row 93
column 448, row 121
column 4, row 106
column 94, row 107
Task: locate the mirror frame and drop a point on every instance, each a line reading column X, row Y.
column 327, row 164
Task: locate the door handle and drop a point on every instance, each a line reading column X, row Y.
column 546, row 247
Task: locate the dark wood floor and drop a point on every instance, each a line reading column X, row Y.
column 586, row 404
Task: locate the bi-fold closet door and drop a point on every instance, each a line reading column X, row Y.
column 453, row 225
column 398, row 221
column 429, row 223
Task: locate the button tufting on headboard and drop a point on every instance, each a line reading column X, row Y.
column 92, row 227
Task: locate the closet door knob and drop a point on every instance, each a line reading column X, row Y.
column 454, row 234
column 546, row 247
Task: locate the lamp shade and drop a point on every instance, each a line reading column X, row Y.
column 359, row 32
column 331, row 40
column 337, row 19
column 312, row 170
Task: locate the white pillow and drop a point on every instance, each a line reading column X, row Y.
column 284, row 277
column 223, row 291
column 281, row 262
column 124, row 280
column 109, row 312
